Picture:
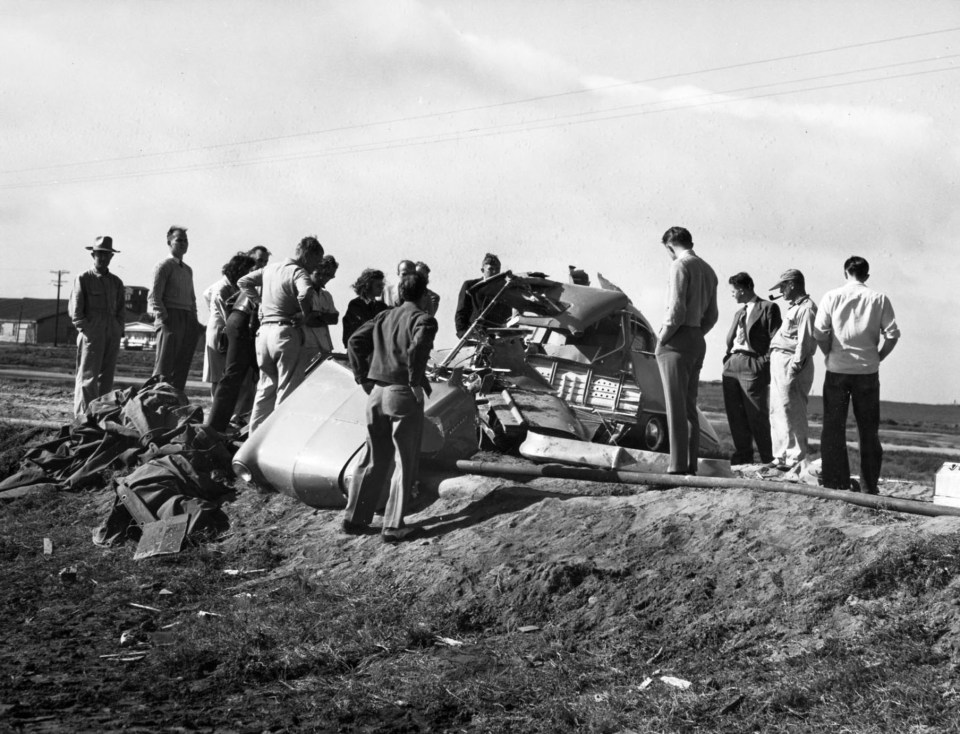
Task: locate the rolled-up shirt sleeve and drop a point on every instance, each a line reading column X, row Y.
column 305, row 291
column 806, row 341
column 888, row 321
column 249, row 284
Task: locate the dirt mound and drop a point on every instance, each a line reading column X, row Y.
column 728, row 569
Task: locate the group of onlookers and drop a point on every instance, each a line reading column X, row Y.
column 270, row 320
column 768, row 366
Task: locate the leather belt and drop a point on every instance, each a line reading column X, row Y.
column 278, row 323
column 745, row 353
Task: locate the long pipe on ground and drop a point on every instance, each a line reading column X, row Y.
column 561, row 471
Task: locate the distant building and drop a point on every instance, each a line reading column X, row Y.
column 135, row 298
column 35, row 320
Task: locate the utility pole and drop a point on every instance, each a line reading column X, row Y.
column 56, row 318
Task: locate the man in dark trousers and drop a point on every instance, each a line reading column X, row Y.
column 388, row 356
column 174, row 304
column 97, row 311
column 691, row 312
column 746, row 372
column 857, row 329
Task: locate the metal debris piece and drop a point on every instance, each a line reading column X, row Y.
column 163, row 537
column 676, row 682
column 528, row 628
column 142, row 606
column 47, row 547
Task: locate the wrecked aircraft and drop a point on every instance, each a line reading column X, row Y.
column 574, row 363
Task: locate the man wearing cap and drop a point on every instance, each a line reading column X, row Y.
column 746, row 371
column 173, row 303
column 791, row 372
column 856, row 328
column 286, row 304
column 691, row 312
column 97, row 311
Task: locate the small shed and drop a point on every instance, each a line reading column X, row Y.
column 35, row 321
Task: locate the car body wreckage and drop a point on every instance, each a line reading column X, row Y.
column 573, row 379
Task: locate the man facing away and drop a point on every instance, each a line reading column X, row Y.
column 286, row 304
column 856, row 328
column 97, row 311
column 791, row 372
column 746, row 371
column 690, row 314
column 173, row 303
column 389, row 356
column 470, row 307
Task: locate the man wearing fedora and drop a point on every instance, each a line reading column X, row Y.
column 791, row 371
column 97, row 311
column 173, row 303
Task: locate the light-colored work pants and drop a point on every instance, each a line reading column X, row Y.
column 788, row 408
column 281, row 369
column 391, row 456
column 98, row 346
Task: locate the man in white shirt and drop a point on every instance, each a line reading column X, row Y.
column 856, row 328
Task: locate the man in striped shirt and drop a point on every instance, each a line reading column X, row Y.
column 173, row 303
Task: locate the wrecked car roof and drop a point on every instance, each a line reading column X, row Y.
column 585, row 306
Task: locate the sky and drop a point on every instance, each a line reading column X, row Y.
column 788, row 134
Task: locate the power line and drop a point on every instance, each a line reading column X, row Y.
column 478, row 108
column 505, row 128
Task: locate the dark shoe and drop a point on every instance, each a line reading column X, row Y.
column 400, row 535
column 356, row 528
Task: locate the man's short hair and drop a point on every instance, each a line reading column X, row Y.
column 252, row 252
column 857, row 266
column 329, row 265
column 173, row 230
column 741, row 280
column 405, row 266
column 422, row 267
column 309, row 247
column 490, row 259
column 679, row 236
column 412, row 287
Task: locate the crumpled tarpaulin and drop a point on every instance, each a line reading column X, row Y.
column 168, row 486
column 118, row 431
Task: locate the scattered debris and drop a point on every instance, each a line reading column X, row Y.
column 676, row 682
column 528, row 628
column 68, row 575
column 448, row 641
column 142, row 606
column 47, row 547
column 206, row 615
